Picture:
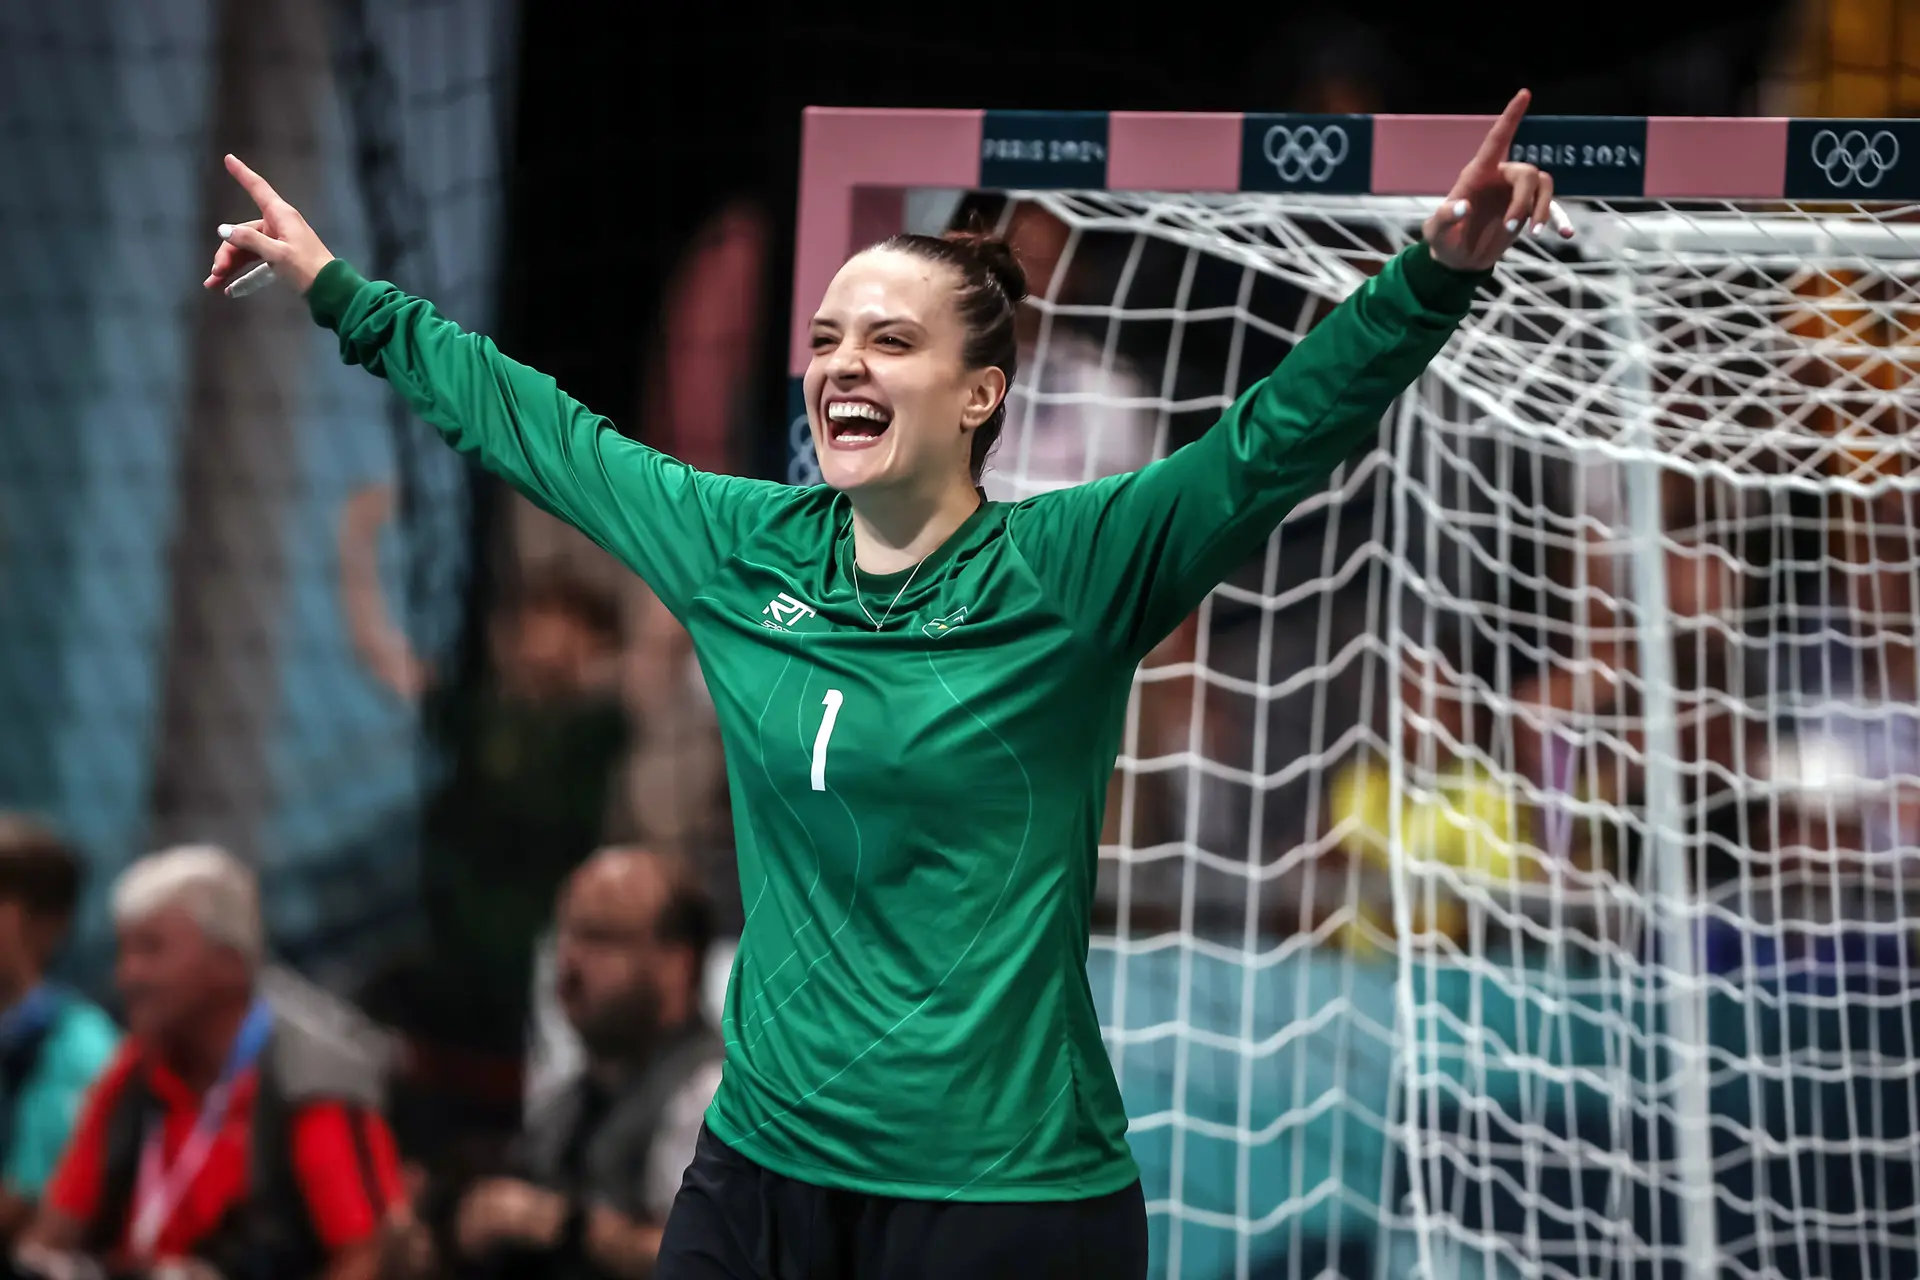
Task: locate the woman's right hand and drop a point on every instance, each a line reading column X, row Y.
column 279, row 237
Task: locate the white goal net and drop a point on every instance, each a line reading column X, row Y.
column 1508, row 874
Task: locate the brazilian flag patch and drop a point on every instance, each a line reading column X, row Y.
column 940, row 626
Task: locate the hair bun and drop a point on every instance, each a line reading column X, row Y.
column 996, row 257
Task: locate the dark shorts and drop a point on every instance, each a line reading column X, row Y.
column 734, row 1220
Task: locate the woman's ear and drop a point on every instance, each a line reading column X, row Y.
column 983, row 397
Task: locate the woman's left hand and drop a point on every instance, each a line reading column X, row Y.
column 279, row 237
column 1494, row 202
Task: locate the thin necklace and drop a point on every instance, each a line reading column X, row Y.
column 853, row 561
column 857, row 599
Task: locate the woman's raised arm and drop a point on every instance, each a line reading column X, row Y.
column 1130, row 556
column 670, row 523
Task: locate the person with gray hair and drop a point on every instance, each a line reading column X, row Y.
column 235, row 1132
column 216, row 890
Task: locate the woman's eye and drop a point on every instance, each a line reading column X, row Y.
column 893, row 343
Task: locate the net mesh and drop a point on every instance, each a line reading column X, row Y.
column 1509, row 873
column 210, row 529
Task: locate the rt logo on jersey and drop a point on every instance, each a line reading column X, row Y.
column 940, row 626
column 785, row 611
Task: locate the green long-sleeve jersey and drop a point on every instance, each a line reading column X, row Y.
column 918, row 803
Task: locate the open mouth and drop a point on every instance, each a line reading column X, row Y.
column 856, row 424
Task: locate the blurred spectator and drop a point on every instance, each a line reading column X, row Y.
column 589, row 1184
column 1838, row 816
column 1855, row 624
column 1081, row 410
column 530, row 793
column 672, row 791
column 1579, row 722
column 52, row 1042
column 536, row 745
column 230, row 1132
column 1499, row 786
column 536, row 748
column 1460, row 815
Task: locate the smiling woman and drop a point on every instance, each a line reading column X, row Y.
column 921, row 694
column 913, row 352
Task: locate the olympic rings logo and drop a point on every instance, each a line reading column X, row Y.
column 1305, row 152
column 1854, row 157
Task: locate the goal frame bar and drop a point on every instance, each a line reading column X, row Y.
column 857, row 164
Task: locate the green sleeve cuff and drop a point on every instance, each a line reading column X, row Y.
column 1436, row 287
column 332, row 292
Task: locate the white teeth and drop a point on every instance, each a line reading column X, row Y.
column 843, row 410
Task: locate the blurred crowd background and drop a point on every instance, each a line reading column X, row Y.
column 246, row 602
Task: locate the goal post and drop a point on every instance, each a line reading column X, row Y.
column 1510, row 873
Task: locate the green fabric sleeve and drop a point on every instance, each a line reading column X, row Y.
column 668, row 522
column 1128, row 557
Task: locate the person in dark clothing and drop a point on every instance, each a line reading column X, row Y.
column 534, row 751
column 587, row 1188
column 53, row 1041
column 535, row 755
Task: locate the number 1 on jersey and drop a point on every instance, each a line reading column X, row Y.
column 832, row 702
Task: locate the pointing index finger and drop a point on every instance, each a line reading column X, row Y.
column 255, row 185
column 1499, row 139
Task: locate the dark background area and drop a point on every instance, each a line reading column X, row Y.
column 630, row 130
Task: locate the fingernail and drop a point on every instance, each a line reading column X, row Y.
column 225, row 230
column 1513, row 224
column 1459, row 208
column 1539, row 228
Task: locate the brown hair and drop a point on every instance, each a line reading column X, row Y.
column 38, row 869
column 992, row 287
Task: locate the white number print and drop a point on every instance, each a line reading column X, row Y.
column 832, row 703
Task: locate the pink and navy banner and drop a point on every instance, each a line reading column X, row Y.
column 853, row 159
column 1621, row 157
